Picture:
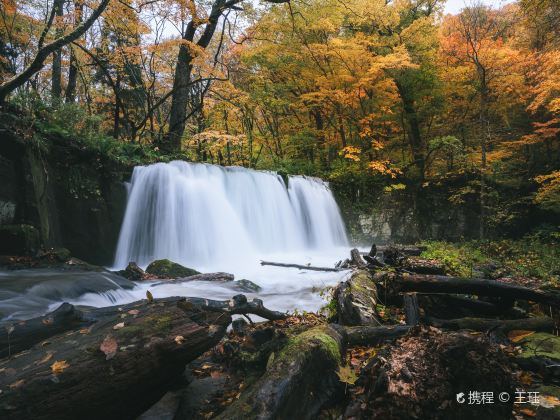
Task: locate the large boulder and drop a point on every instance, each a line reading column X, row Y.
column 19, row 240
column 167, row 269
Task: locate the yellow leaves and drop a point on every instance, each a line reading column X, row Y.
column 384, row 167
column 548, row 194
column 347, row 375
column 351, row 153
column 516, row 336
column 179, row 339
column 59, row 367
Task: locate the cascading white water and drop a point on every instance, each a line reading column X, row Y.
column 207, row 216
column 212, row 219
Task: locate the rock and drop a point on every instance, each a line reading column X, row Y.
column 169, row 269
column 247, row 286
column 132, row 272
column 19, row 240
column 56, row 255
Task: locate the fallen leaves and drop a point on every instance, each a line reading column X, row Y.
column 548, row 401
column 133, row 312
column 347, row 375
column 109, row 347
column 59, row 366
column 119, row 326
column 179, row 339
column 45, row 359
column 516, row 336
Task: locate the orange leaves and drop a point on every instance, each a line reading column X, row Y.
column 384, row 167
column 59, row 367
column 516, row 336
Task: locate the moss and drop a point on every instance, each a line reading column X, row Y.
column 130, row 331
column 541, row 344
column 169, row 269
column 300, row 343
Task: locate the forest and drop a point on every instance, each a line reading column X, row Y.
column 379, row 179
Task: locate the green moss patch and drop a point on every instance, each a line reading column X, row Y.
column 169, row 269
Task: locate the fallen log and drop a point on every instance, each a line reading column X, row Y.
column 356, row 300
column 297, row 381
column 422, row 266
column 400, row 283
column 16, row 336
column 484, row 324
column 217, row 277
column 117, row 368
column 367, row 336
column 301, row 267
column 411, row 250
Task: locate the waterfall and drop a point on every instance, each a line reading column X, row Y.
column 199, row 214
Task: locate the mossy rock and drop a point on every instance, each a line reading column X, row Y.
column 247, row 286
column 169, row 270
column 19, row 240
column 541, row 345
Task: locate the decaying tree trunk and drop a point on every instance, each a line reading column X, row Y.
column 367, row 336
column 399, row 283
column 297, row 381
column 356, row 300
column 483, row 324
column 116, row 368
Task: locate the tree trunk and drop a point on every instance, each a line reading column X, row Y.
column 70, row 95
column 116, row 369
column 56, row 73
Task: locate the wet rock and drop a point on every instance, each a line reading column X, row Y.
column 19, row 240
column 169, row 269
column 246, row 286
column 132, row 272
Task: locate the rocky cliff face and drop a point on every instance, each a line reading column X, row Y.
column 373, row 215
column 73, row 198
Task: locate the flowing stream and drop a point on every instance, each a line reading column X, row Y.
column 214, row 218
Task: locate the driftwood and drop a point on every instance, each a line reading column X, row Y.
column 398, row 283
column 483, row 324
column 297, row 382
column 217, row 277
column 301, row 267
column 356, row 300
column 115, row 369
